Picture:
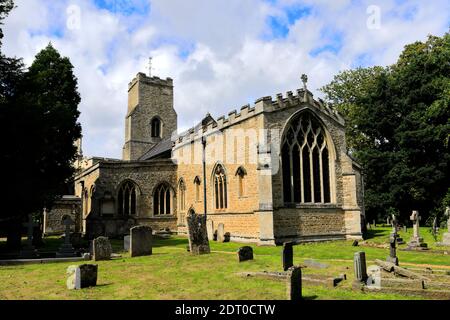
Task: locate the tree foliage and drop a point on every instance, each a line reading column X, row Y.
column 398, row 128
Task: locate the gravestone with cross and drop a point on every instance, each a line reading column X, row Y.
column 399, row 239
column 66, row 250
column 446, row 236
column 29, row 251
column 416, row 241
column 393, row 250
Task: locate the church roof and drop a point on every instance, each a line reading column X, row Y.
column 158, row 150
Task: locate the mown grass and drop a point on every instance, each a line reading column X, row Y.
column 172, row 273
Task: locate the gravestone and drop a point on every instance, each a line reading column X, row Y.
column 198, row 238
column 416, row 241
column 245, row 253
column 66, row 250
column 220, row 233
column 311, row 263
column 359, row 263
column 294, row 283
column 368, row 226
column 210, row 229
column 446, row 236
column 101, row 248
column 81, row 276
column 141, row 241
column 374, row 277
column 405, row 229
column 388, row 221
column 395, row 230
column 126, row 243
column 288, row 255
column 374, row 223
column 29, row 251
column 392, row 250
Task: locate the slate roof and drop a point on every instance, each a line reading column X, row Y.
column 157, row 150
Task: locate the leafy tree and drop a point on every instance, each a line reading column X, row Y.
column 398, row 128
column 39, row 125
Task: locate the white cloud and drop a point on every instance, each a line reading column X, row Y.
column 219, row 53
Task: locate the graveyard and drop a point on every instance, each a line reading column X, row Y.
column 169, row 271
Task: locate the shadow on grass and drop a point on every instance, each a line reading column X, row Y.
column 314, row 297
column 373, row 234
column 159, row 242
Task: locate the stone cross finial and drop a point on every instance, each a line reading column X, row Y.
column 30, row 226
column 304, row 78
column 67, row 222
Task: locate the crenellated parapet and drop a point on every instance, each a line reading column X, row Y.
column 143, row 78
column 266, row 104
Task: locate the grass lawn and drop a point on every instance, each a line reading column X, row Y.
column 172, row 273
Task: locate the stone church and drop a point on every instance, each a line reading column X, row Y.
column 274, row 171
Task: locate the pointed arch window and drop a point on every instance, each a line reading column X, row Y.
column 162, row 200
column 240, row 174
column 220, row 187
column 197, row 188
column 127, row 199
column 305, row 161
column 85, row 202
column 156, row 128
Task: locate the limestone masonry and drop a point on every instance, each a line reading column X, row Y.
column 276, row 171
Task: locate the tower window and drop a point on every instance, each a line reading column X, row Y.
column 156, row 128
column 305, row 161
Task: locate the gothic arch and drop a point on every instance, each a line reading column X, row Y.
column 219, row 182
column 156, row 127
column 307, row 158
column 163, row 197
column 128, row 193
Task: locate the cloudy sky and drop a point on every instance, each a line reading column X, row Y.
column 221, row 54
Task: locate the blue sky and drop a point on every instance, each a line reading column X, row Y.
column 221, row 54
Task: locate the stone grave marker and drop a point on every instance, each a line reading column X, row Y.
column 245, row 253
column 210, row 229
column 141, row 241
column 81, row 276
column 311, row 263
column 359, row 263
column 288, row 255
column 220, row 233
column 416, row 240
column 198, row 238
column 294, row 283
column 126, row 243
column 392, row 250
column 101, row 249
column 446, row 236
column 29, row 251
column 66, row 250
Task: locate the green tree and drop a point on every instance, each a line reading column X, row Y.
column 398, row 127
column 39, row 125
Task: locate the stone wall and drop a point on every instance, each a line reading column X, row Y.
column 67, row 206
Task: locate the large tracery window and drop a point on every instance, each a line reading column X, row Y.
column 220, row 187
column 162, row 200
column 127, row 199
column 305, row 161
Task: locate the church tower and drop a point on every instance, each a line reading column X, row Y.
column 151, row 117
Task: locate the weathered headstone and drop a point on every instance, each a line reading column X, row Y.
column 368, row 226
column 392, row 250
column 416, row 240
column 311, row 263
column 245, row 253
column 29, row 251
column 294, row 283
column 359, row 263
column 355, row 243
column 101, row 249
column 198, row 238
column 374, row 223
column 66, row 250
column 210, row 229
column 126, row 243
column 373, row 277
column 141, row 241
column 81, row 276
column 220, row 233
column 388, row 221
column 446, row 236
column 288, row 255
column 395, row 230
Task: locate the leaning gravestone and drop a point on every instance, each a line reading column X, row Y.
column 82, row 276
column 245, row 253
column 141, row 241
column 198, row 238
column 359, row 263
column 220, row 233
column 392, row 251
column 101, row 248
column 294, row 283
column 126, row 243
column 288, row 255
